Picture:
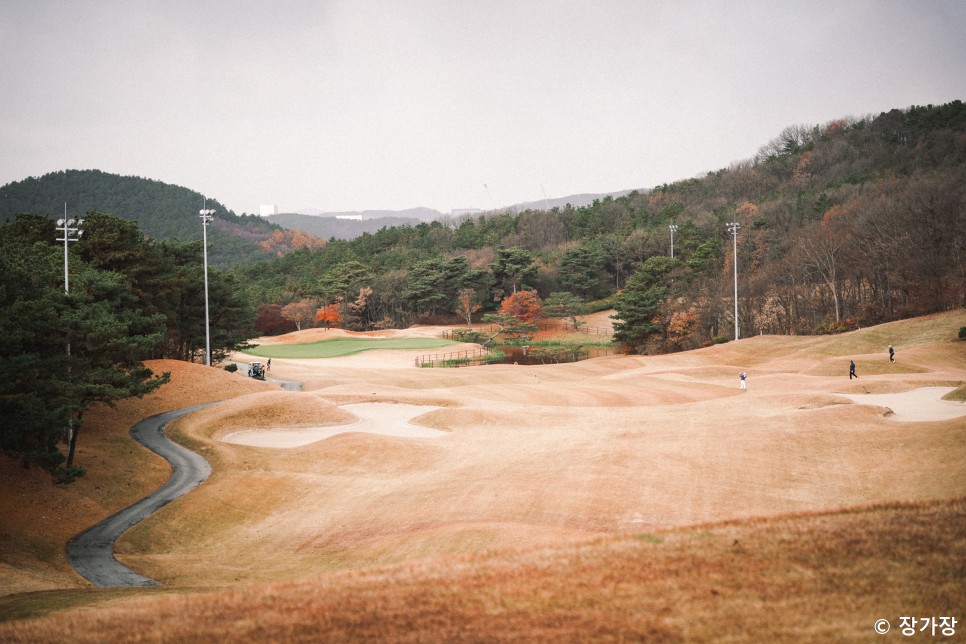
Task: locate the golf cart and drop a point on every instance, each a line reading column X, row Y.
column 256, row 370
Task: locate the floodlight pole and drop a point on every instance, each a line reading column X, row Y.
column 673, row 228
column 206, row 217
column 71, row 231
column 733, row 229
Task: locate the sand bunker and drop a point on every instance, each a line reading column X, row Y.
column 387, row 419
column 918, row 405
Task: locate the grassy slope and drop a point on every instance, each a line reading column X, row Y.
column 823, row 577
column 817, row 576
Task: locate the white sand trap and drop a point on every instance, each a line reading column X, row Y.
column 387, row 419
column 918, row 405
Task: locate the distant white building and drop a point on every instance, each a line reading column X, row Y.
column 352, row 217
column 459, row 212
column 266, row 210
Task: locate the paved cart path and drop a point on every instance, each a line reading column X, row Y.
column 92, row 551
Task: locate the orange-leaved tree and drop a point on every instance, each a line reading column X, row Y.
column 329, row 315
column 523, row 305
column 283, row 242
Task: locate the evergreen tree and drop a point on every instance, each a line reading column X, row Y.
column 63, row 351
column 639, row 304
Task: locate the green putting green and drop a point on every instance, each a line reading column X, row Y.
column 343, row 347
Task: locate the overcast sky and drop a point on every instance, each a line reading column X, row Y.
column 393, row 104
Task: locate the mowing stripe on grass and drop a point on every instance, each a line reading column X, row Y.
column 343, row 347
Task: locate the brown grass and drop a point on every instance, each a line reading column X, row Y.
column 517, row 522
column 824, row 577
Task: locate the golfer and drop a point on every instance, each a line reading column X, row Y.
column 852, row 370
column 741, row 379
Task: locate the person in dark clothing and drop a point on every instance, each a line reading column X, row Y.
column 852, row 370
column 892, row 354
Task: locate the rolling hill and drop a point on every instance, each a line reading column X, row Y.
column 625, row 497
column 162, row 211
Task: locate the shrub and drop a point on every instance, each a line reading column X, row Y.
column 231, row 368
column 65, row 475
column 962, row 333
column 833, row 328
column 469, row 335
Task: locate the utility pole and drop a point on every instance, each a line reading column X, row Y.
column 733, row 229
column 673, row 228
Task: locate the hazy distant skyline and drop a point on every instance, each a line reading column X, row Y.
column 356, row 105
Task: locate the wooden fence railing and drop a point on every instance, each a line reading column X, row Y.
column 470, row 357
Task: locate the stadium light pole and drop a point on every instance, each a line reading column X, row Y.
column 71, row 231
column 733, row 229
column 673, row 228
column 206, row 217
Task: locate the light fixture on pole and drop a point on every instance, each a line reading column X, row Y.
column 733, row 229
column 71, row 231
column 673, row 228
column 206, row 217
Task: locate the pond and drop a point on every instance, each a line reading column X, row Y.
column 531, row 355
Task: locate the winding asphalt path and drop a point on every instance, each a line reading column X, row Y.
column 92, row 551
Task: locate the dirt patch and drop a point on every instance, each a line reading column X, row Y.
column 918, row 405
column 385, row 419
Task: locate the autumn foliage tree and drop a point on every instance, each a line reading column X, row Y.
column 329, row 316
column 467, row 304
column 283, row 242
column 301, row 313
column 269, row 320
column 523, row 305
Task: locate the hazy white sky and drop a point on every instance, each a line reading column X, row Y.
column 372, row 104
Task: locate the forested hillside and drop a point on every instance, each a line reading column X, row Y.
column 161, row 210
column 842, row 224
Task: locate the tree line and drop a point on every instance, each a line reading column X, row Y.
column 853, row 222
column 70, row 343
column 856, row 221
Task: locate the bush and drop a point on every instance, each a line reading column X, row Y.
column 962, row 333
column 231, row 368
column 596, row 306
column 469, row 335
column 65, row 475
column 834, row 328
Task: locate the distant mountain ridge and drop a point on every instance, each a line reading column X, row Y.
column 166, row 211
column 419, row 213
column 329, row 227
column 429, row 214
